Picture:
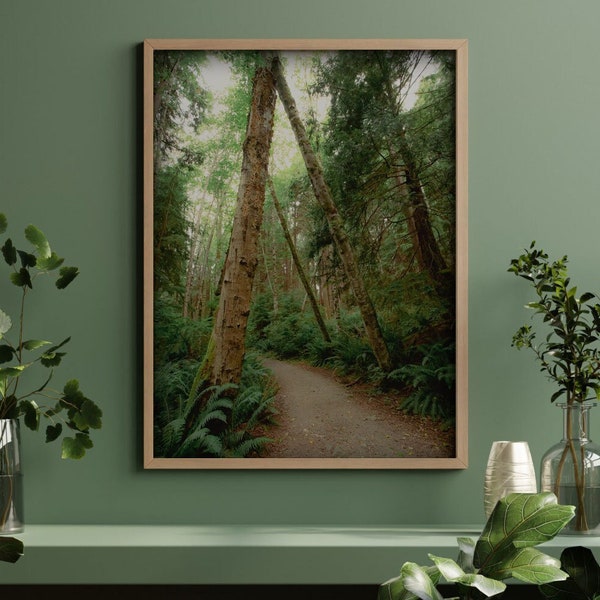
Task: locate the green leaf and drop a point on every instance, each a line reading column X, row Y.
column 6, row 372
column 37, row 239
column 75, row 447
column 88, row 415
column 584, row 576
column 6, row 353
column 53, row 432
column 50, row 263
column 394, row 589
column 452, row 572
column 21, row 278
column 31, row 413
column 11, row 549
column 417, row 581
column 51, row 359
column 5, row 323
column 27, row 260
column 34, row 344
column 532, row 566
column 520, row 521
column 67, row 274
column 3, row 223
column 9, row 252
column 466, row 549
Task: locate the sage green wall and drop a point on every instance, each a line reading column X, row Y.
column 70, row 160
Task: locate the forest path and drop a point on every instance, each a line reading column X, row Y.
column 319, row 417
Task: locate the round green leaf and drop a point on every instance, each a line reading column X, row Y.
column 5, row 323
column 35, row 237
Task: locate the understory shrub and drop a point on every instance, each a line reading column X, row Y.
column 431, row 379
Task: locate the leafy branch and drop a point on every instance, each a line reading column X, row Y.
column 70, row 409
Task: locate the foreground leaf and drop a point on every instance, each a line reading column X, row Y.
column 3, row 223
column 11, row 549
column 453, row 573
column 520, row 521
column 417, row 581
column 394, row 589
column 584, row 576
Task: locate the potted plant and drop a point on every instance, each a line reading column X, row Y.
column 506, row 549
column 568, row 353
column 27, row 367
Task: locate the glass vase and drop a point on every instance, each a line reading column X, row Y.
column 11, row 478
column 571, row 470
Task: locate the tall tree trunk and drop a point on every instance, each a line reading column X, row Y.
column 225, row 353
column 428, row 252
column 334, row 219
column 301, row 274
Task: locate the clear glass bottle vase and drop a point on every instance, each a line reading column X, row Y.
column 571, row 470
column 11, row 478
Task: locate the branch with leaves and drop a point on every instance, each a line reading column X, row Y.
column 68, row 408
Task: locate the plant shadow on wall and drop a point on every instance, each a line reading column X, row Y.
column 22, row 396
column 506, row 549
column 568, row 354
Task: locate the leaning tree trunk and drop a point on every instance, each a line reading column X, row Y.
column 224, row 356
column 301, row 274
column 334, row 220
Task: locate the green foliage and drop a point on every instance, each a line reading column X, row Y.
column 69, row 407
column 569, row 355
column 505, row 549
column 584, row 576
column 287, row 334
column 432, row 380
column 229, row 418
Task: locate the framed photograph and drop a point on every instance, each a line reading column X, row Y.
column 305, row 254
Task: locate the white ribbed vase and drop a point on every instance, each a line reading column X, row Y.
column 509, row 470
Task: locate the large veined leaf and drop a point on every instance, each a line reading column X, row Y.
column 394, row 589
column 452, row 573
column 37, row 239
column 466, row 551
column 518, row 522
column 5, row 323
column 417, row 581
column 584, row 576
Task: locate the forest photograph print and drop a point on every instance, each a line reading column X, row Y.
column 305, row 254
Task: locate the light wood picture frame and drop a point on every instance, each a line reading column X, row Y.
column 201, row 162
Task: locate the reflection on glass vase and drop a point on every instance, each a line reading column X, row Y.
column 571, row 470
column 11, row 478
